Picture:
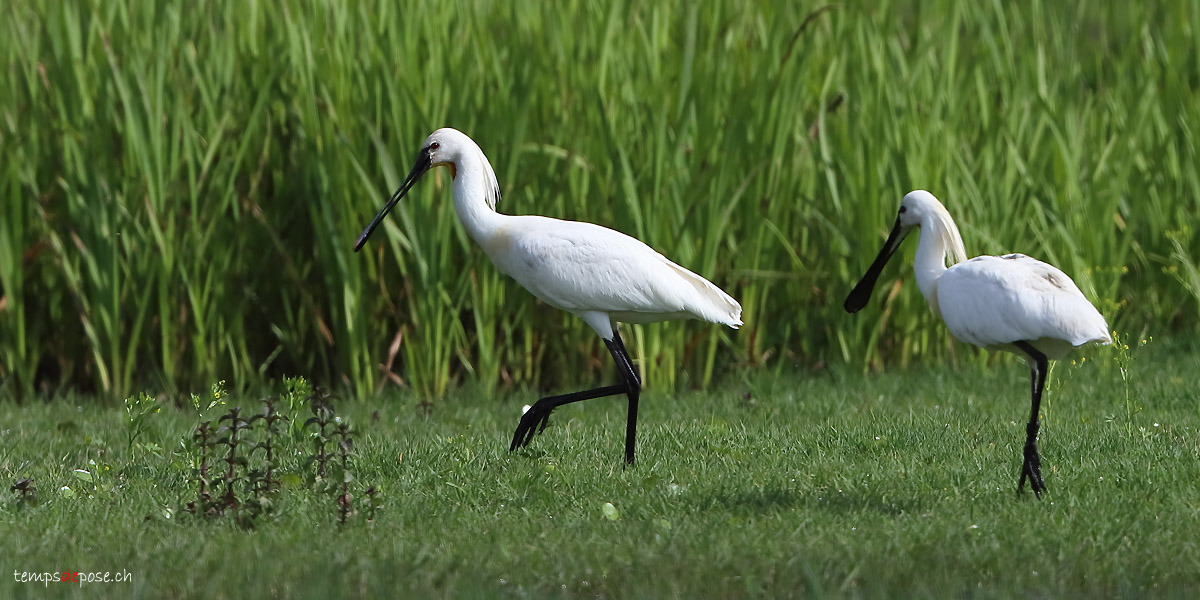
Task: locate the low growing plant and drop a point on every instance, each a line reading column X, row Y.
column 253, row 475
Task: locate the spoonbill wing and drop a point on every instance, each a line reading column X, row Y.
column 992, row 301
column 581, row 267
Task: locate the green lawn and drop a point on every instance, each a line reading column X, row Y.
column 829, row 483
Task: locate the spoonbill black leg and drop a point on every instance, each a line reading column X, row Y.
column 634, row 384
column 1032, row 467
column 535, row 419
column 625, row 354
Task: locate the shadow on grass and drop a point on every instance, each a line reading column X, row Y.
column 771, row 499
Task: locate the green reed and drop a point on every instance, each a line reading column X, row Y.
column 184, row 182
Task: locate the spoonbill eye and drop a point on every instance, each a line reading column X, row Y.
column 434, row 146
column 903, row 209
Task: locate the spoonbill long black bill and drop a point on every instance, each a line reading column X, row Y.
column 1011, row 302
column 602, row 276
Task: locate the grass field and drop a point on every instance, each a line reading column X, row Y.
column 807, row 484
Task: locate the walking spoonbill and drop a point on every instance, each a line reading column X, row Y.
column 1011, row 302
column 602, row 276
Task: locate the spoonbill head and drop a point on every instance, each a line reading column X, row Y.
column 917, row 207
column 600, row 275
column 448, row 148
column 1013, row 302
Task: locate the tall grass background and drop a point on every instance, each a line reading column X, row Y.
column 183, row 181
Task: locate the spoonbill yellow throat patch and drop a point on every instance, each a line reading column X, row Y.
column 602, row 276
column 1012, row 302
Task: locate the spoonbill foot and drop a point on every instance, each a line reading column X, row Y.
column 533, row 422
column 1033, row 470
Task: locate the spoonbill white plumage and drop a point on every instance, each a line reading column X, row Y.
column 1012, row 302
column 600, row 275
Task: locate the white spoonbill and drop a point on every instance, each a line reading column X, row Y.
column 600, row 275
column 1011, row 302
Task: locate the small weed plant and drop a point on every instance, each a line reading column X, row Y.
column 1124, row 357
column 239, row 472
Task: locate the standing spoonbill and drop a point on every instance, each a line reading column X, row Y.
column 1011, row 302
column 602, row 276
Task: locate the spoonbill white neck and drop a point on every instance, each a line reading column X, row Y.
column 475, row 188
column 940, row 240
